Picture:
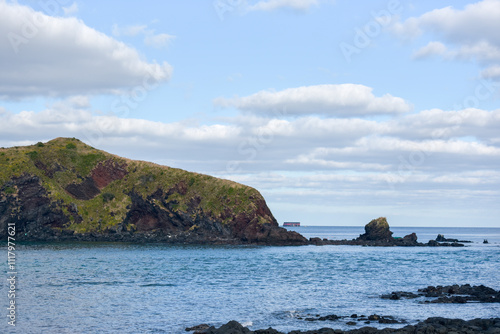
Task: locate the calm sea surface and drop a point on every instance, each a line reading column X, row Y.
column 127, row 288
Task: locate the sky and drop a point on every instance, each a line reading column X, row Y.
column 337, row 111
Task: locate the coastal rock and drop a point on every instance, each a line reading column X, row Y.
column 411, row 237
column 198, row 329
column 397, row 295
column 457, row 294
column 441, row 238
column 232, row 327
column 433, row 325
column 377, row 233
column 67, row 190
column 377, row 229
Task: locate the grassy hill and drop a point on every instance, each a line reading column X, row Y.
column 67, row 189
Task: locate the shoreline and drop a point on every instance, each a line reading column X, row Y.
column 429, row 326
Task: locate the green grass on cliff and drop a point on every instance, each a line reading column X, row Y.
column 63, row 161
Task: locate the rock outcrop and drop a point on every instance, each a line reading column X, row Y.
column 377, row 230
column 441, row 238
column 456, row 294
column 66, row 190
column 378, row 233
column 434, row 325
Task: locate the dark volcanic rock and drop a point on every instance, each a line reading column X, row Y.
column 377, row 229
column 461, row 294
column 377, row 233
column 30, row 210
column 430, row 326
column 411, row 237
column 458, row 294
column 232, row 327
column 396, row 295
column 441, row 238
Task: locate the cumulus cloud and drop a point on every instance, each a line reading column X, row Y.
column 476, row 22
column 431, row 49
column 332, row 100
column 57, row 56
column 469, row 33
column 270, row 5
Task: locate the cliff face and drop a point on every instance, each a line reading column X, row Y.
column 66, row 190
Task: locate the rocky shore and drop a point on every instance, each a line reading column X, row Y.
column 377, row 233
column 441, row 294
column 456, row 294
column 429, row 326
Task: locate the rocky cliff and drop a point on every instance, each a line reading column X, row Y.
column 67, row 190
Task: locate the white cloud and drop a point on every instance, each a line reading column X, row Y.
column 71, row 10
column 440, row 124
column 151, row 38
column 132, row 30
column 476, row 22
column 270, row 5
column 469, row 33
column 55, row 56
column 332, row 100
column 431, row 49
column 492, row 72
column 158, row 40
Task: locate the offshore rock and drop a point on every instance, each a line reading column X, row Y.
column 441, row 238
column 377, row 233
column 377, row 229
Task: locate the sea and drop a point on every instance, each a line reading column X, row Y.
column 157, row 288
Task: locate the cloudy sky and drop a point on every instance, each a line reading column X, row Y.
column 337, row 111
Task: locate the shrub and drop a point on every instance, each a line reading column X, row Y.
column 107, row 197
column 71, row 146
column 33, row 155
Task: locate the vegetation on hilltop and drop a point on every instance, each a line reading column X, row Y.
column 67, row 167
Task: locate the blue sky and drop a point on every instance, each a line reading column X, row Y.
column 337, row 111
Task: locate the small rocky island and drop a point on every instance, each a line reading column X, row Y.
column 378, row 233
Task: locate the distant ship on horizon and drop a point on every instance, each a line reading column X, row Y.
column 291, row 224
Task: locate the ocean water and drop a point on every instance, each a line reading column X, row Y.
column 129, row 288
